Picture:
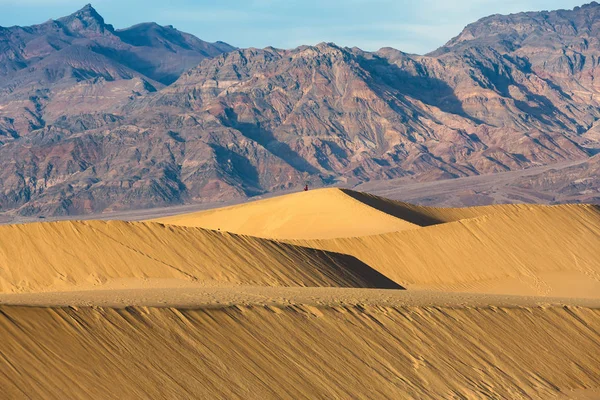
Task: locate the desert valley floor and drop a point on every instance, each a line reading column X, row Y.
column 329, row 293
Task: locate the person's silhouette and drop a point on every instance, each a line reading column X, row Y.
column 306, row 188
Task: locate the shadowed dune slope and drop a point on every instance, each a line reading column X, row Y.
column 316, row 214
column 524, row 250
column 427, row 216
column 299, row 352
column 71, row 255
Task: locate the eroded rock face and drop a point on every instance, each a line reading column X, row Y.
column 87, row 123
column 79, row 64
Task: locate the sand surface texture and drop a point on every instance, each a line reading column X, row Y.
column 321, row 294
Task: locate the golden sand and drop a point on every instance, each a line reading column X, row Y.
column 298, row 352
column 524, row 250
column 318, row 214
column 300, row 296
column 92, row 254
column 504, row 249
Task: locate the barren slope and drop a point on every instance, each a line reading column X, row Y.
column 299, row 352
column 76, row 255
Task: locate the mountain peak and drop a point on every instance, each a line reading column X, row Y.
column 86, row 19
column 87, row 12
column 544, row 28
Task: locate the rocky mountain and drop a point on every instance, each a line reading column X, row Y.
column 79, row 63
column 95, row 119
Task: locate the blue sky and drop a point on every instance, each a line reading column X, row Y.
column 412, row 26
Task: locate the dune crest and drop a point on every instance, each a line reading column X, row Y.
column 329, row 214
column 316, row 214
column 74, row 255
column 427, row 216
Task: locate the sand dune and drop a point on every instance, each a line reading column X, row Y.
column 299, row 352
column 504, row 249
column 147, row 310
column 426, row 216
column 317, row 214
column 72, row 255
column 526, row 250
column 325, row 214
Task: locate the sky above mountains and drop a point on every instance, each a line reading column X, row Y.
column 411, row 26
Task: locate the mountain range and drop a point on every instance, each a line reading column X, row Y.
column 94, row 118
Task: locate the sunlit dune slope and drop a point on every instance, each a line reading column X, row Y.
column 70, row 255
column 326, row 214
column 322, row 213
column 299, row 352
column 528, row 250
